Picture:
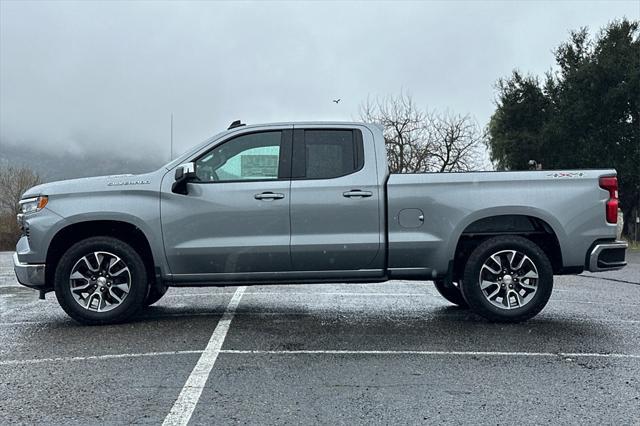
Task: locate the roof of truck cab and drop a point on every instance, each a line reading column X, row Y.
column 244, row 127
column 309, row 123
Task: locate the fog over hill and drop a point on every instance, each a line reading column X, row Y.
column 52, row 166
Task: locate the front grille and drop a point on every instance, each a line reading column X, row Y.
column 26, row 232
column 24, row 227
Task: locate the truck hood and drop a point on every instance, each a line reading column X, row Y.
column 145, row 181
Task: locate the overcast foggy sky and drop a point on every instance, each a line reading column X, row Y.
column 106, row 76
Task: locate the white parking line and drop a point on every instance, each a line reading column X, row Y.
column 444, row 353
column 93, row 357
column 188, row 399
column 320, row 352
column 586, row 302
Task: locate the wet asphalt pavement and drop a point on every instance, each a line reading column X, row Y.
column 351, row 353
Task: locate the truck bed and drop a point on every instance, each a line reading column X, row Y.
column 569, row 202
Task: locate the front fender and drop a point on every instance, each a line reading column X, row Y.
column 138, row 208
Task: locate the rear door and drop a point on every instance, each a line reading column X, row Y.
column 335, row 202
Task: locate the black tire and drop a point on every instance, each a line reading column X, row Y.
column 474, row 295
column 130, row 304
column 154, row 294
column 451, row 292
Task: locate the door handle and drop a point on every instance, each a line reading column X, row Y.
column 269, row 196
column 357, row 193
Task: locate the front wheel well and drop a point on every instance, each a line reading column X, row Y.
column 73, row 233
column 534, row 229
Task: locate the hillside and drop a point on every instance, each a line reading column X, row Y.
column 52, row 166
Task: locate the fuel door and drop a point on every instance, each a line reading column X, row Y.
column 411, row 218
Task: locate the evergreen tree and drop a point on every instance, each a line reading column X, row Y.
column 585, row 115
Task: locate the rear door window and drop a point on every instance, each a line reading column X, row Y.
column 327, row 153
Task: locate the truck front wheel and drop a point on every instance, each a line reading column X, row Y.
column 100, row 280
column 507, row 279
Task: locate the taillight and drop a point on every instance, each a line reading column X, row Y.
column 611, row 208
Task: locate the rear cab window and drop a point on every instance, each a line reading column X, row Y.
column 326, row 153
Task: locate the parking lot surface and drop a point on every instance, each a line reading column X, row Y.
column 338, row 353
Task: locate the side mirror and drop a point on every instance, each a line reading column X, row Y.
column 184, row 173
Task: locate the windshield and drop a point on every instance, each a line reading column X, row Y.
column 186, row 154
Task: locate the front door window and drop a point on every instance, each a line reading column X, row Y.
column 248, row 157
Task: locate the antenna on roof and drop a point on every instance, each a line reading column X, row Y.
column 171, row 153
column 235, row 124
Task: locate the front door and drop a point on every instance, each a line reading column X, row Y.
column 235, row 217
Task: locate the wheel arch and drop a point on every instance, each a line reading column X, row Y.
column 531, row 226
column 122, row 230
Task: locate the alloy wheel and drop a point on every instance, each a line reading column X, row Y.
column 509, row 279
column 100, row 281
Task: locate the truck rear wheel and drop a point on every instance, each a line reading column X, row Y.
column 507, row 279
column 451, row 292
column 100, row 280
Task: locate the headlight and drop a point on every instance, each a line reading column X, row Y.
column 32, row 205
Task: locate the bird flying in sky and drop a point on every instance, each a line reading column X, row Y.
column 336, row 100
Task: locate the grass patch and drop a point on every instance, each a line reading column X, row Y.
column 633, row 245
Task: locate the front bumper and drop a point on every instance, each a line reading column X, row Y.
column 29, row 275
column 607, row 256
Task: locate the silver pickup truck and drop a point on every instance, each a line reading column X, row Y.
column 313, row 203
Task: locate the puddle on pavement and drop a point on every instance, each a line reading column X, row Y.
column 13, row 296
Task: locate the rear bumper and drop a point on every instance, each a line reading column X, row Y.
column 607, row 256
column 29, row 275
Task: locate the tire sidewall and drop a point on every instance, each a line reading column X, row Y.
column 129, row 306
column 473, row 294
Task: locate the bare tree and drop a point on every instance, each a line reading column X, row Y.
column 13, row 183
column 458, row 141
column 422, row 141
column 404, row 131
